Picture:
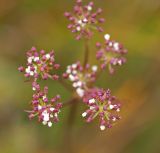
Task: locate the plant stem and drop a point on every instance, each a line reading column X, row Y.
column 86, row 53
column 68, row 128
column 70, row 102
column 63, row 83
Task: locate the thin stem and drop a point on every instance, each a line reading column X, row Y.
column 64, row 84
column 70, row 102
column 68, row 128
column 86, row 53
column 99, row 73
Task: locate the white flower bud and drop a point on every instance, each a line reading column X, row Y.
column 107, row 36
column 49, row 124
column 91, row 101
column 102, row 127
column 84, row 114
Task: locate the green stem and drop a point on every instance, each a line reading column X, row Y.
column 86, row 53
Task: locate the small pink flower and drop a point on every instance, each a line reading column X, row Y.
column 84, row 20
column 102, row 105
column 81, row 77
column 46, row 110
column 39, row 64
column 110, row 53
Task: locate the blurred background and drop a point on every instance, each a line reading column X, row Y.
column 27, row 23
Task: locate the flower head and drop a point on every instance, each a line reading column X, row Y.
column 110, row 53
column 81, row 77
column 39, row 64
column 84, row 20
column 103, row 105
column 46, row 110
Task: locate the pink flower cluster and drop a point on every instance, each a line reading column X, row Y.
column 80, row 76
column 41, row 65
column 84, row 20
column 46, row 110
column 110, row 53
column 102, row 105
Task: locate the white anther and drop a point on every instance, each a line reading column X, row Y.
column 48, row 56
column 84, row 114
column 92, row 101
column 49, row 124
column 94, row 68
column 107, row 36
column 102, row 127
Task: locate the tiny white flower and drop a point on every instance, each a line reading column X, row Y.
column 89, row 8
column 68, row 71
column 31, row 73
column 94, row 68
column 80, row 21
column 44, row 97
column 28, row 69
column 79, row 83
column 56, row 115
column 111, row 106
column 74, row 66
column 51, row 115
column 80, row 92
column 33, row 88
column 48, row 56
column 39, row 107
column 36, row 59
column 84, row 114
column 114, row 119
column 44, row 122
column 91, row 107
column 78, row 28
column 120, row 62
column 85, row 20
column 45, row 116
column 52, row 109
column 71, row 77
column 116, row 46
column 110, row 44
column 107, row 36
column 30, row 59
column 74, row 72
column 102, row 127
column 75, row 84
column 91, row 101
column 49, row 124
column 118, row 110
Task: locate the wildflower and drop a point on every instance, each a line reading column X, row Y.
column 81, row 77
column 46, row 110
column 103, row 105
column 84, row 20
column 111, row 53
column 39, row 64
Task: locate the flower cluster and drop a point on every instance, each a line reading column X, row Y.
column 46, row 110
column 80, row 76
column 103, row 105
column 84, row 20
column 39, row 64
column 110, row 53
